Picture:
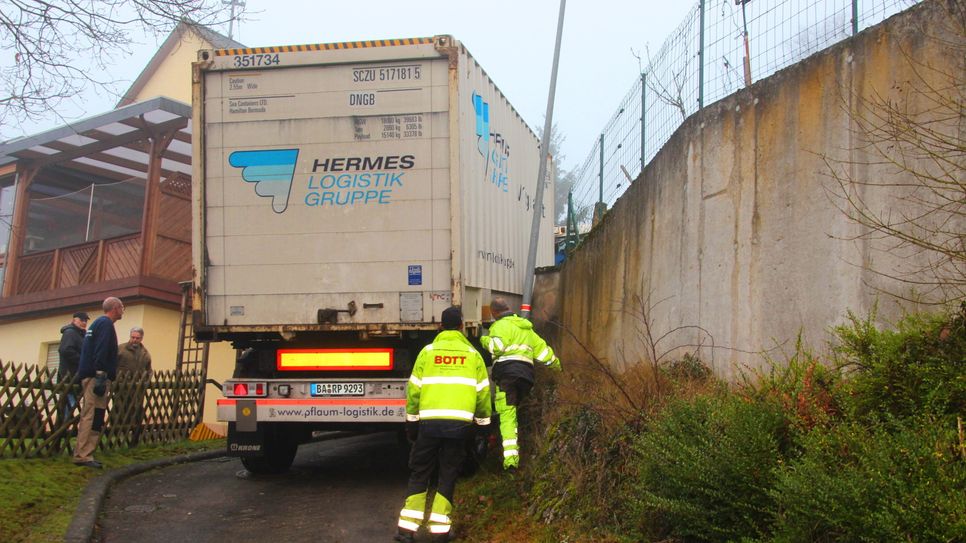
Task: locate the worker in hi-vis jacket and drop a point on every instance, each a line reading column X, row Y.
column 447, row 402
column 515, row 348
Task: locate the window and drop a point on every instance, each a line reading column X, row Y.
column 69, row 207
column 53, row 357
column 7, row 191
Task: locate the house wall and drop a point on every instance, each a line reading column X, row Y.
column 173, row 76
column 26, row 341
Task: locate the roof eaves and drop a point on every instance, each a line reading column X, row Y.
column 217, row 41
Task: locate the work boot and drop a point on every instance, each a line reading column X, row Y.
column 405, row 537
column 440, row 538
column 511, row 463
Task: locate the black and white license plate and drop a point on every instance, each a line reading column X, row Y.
column 338, row 389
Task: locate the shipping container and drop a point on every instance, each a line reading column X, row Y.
column 345, row 195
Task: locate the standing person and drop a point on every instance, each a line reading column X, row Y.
column 134, row 360
column 71, row 340
column 447, row 393
column 98, row 367
column 515, row 348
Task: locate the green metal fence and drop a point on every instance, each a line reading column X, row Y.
column 704, row 61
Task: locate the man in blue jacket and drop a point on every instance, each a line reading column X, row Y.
column 98, row 367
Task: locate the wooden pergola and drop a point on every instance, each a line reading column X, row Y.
column 148, row 140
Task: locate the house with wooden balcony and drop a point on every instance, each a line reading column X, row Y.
column 102, row 207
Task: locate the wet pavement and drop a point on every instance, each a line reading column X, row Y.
column 343, row 490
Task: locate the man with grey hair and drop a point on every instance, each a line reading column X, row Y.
column 133, row 355
column 98, row 367
column 133, row 367
column 515, row 348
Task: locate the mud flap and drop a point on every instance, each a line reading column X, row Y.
column 245, row 436
column 245, row 443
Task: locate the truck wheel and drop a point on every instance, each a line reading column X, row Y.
column 471, row 462
column 278, row 458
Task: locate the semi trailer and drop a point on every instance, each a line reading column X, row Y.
column 344, row 194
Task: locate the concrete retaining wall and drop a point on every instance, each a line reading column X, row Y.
column 730, row 239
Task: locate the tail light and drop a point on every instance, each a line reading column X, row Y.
column 247, row 389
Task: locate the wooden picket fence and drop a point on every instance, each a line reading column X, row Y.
column 145, row 408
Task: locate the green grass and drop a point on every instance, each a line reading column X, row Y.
column 38, row 496
column 491, row 507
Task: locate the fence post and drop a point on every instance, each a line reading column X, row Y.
column 600, row 207
column 701, row 58
column 571, row 223
column 855, row 17
column 600, row 175
column 643, row 115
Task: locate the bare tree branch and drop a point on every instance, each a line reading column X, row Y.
column 904, row 181
column 51, row 51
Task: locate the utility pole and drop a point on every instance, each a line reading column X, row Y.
column 231, row 21
column 528, row 277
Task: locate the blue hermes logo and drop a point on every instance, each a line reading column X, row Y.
column 270, row 170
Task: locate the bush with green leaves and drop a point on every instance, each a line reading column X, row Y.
column 895, row 481
column 920, row 367
column 574, row 475
column 705, row 468
column 807, row 389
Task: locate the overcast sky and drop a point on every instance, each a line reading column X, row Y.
column 512, row 39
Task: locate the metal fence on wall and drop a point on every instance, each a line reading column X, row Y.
column 702, row 62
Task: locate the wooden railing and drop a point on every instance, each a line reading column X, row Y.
column 119, row 257
column 147, row 407
column 93, row 262
column 98, row 261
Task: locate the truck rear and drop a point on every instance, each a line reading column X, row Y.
column 345, row 195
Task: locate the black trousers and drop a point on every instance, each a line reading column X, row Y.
column 430, row 454
column 516, row 389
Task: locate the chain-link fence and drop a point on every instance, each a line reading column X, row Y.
column 703, row 61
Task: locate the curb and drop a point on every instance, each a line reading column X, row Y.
column 85, row 516
column 81, row 527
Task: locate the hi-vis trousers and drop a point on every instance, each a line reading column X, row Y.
column 510, row 392
column 427, row 454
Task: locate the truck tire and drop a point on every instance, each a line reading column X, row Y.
column 278, row 458
column 471, row 462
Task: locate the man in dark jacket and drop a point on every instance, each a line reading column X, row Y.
column 71, row 339
column 98, row 367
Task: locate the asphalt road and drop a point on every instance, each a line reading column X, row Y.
column 342, row 490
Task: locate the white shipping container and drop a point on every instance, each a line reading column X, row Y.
column 392, row 176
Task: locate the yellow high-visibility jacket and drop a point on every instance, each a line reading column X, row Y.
column 449, row 382
column 512, row 338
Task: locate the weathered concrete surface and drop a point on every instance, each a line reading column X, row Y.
column 546, row 303
column 732, row 227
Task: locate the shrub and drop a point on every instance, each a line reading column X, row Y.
column 807, row 389
column 918, row 368
column 705, row 468
column 688, row 368
column 577, row 470
column 897, row 481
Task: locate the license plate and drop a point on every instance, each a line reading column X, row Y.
column 338, row 389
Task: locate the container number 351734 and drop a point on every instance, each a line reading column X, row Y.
column 245, row 61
